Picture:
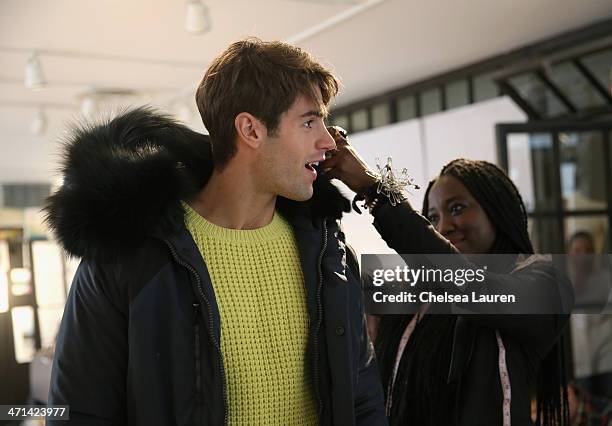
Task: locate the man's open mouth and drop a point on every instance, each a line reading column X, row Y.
column 312, row 165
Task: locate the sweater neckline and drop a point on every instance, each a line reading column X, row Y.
column 268, row 232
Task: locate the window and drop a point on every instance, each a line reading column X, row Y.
column 456, row 94
column 575, row 86
column 431, row 101
column 406, row 108
column 535, row 92
column 600, row 64
column 582, row 170
column 484, row 88
column 381, row 114
column 342, row 121
column 359, row 120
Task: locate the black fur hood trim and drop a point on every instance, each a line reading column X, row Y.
column 124, row 179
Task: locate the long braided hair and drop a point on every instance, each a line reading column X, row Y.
column 503, row 205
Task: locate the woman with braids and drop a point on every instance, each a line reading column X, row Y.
column 468, row 370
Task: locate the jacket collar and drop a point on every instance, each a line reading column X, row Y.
column 124, row 179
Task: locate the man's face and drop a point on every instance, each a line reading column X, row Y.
column 284, row 161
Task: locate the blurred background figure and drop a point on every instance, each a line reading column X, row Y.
column 584, row 408
column 589, row 273
column 591, row 333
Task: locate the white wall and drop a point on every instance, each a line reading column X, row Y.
column 466, row 132
column 423, row 146
column 402, row 142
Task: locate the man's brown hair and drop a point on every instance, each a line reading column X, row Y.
column 261, row 78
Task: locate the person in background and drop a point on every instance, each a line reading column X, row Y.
column 216, row 287
column 584, row 408
column 588, row 272
column 587, row 409
column 591, row 330
column 465, row 369
column 581, row 242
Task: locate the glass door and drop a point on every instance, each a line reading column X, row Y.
column 564, row 174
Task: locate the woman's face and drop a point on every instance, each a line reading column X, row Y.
column 456, row 215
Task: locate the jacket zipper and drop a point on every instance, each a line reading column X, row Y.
column 196, row 344
column 450, row 367
column 319, row 319
column 211, row 333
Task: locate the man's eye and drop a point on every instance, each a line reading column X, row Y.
column 433, row 218
column 308, row 124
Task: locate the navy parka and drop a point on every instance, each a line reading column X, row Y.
column 139, row 342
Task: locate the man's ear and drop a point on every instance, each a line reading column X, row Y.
column 249, row 129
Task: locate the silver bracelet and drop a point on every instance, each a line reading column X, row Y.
column 390, row 184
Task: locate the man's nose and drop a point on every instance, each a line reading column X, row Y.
column 326, row 142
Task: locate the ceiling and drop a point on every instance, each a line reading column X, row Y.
column 142, row 46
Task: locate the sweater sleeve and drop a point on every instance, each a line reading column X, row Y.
column 407, row 231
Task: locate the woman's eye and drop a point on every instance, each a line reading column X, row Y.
column 456, row 208
column 308, row 124
column 433, row 219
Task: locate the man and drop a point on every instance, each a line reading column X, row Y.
column 215, row 286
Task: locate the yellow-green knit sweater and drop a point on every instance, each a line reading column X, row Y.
column 259, row 288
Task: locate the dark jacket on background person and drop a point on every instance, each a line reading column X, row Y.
column 139, row 342
column 473, row 369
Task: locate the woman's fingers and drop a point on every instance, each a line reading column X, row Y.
column 344, row 163
column 339, row 135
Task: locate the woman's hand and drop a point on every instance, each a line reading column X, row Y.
column 345, row 164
